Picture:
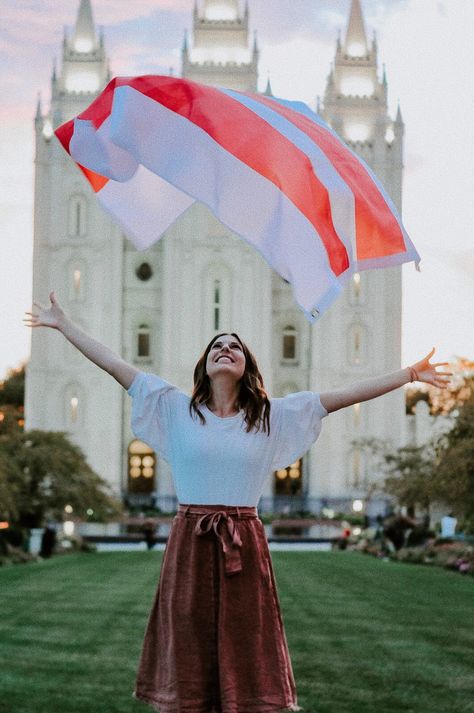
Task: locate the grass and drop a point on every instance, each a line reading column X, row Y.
column 365, row 636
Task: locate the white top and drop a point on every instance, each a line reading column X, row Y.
column 219, row 463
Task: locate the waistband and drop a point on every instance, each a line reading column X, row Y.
column 242, row 511
column 218, row 519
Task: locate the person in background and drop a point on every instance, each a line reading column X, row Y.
column 448, row 525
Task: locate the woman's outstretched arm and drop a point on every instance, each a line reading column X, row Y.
column 379, row 385
column 99, row 354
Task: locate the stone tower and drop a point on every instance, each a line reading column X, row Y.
column 360, row 335
column 77, row 252
column 221, row 54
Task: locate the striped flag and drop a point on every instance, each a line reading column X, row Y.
column 269, row 169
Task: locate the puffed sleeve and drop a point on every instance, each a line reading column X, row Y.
column 297, row 420
column 152, row 397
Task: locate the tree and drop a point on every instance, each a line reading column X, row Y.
column 453, row 474
column 407, row 470
column 409, row 477
column 41, row 472
column 12, row 395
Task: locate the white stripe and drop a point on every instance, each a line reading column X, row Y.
column 241, row 198
column 341, row 197
column 145, row 206
column 411, row 252
column 92, row 148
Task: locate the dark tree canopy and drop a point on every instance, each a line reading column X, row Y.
column 41, row 472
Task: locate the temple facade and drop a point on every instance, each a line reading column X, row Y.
column 159, row 308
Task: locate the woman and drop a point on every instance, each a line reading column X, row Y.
column 215, row 639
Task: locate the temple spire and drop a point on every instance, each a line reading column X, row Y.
column 268, row 89
column 84, row 38
column 355, row 43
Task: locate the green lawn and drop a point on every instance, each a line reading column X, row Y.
column 365, row 636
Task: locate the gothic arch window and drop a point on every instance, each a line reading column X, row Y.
column 216, row 307
column 141, row 468
column 77, row 216
column 357, row 290
column 73, row 407
column 357, row 468
column 289, row 344
column 356, row 416
column 357, row 344
column 76, row 277
column 143, row 341
column 289, row 481
column 217, row 292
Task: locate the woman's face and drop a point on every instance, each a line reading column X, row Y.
column 226, row 356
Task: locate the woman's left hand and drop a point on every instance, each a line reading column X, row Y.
column 427, row 372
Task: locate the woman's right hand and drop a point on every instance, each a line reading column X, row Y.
column 43, row 316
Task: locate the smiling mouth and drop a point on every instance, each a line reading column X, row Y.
column 224, row 356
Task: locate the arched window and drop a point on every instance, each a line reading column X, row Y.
column 76, row 276
column 143, row 347
column 357, row 289
column 216, row 281
column 289, row 481
column 356, row 416
column 73, row 407
column 357, row 468
column 77, row 217
column 289, row 352
column 357, row 346
column 141, row 468
column 217, row 305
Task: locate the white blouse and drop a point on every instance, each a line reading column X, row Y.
column 219, row 463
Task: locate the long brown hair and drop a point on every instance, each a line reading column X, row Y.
column 252, row 398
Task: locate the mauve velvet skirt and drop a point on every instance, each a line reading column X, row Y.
column 215, row 641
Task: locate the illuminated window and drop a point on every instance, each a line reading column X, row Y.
column 143, row 341
column 389, row 135
column 356, row 415
column 356, row 49
column 357, row 86
column 289, row 481
column 141, row 468
column 355, row 289
column 356, row 131
column 77, row 217
column 220, row 10
column 357, row 344
column 76, row 274
column 289, row 343
column 73, row 406
column 82, row 80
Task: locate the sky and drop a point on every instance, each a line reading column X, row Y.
column 428, row 51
